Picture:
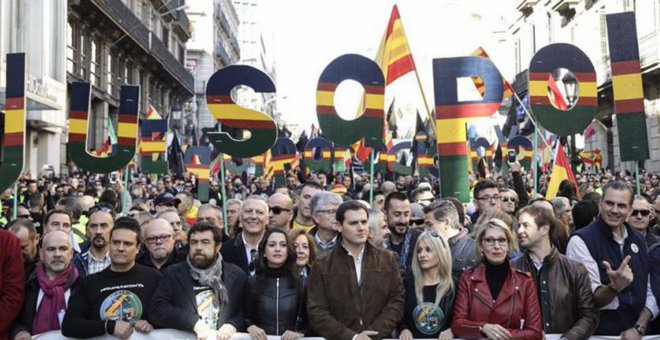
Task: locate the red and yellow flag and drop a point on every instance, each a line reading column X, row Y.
column 560, row 171
column 394, row 55
column 479, row 83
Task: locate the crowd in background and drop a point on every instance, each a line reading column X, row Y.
column 317, row 256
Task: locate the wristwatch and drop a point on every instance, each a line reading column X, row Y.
column 641, row 329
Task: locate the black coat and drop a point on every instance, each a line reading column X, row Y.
column 275, row 304
column 233, row 252
column 25, row 319
column 174, row 304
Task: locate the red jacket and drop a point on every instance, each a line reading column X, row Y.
column 12, row 281
column 516, row 308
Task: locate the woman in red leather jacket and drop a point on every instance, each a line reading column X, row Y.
column 495, row 300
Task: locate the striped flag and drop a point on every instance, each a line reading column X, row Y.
column 560, row 171
column 394, row 56
column 556, row 94
column 479, row 83
column 152, row 113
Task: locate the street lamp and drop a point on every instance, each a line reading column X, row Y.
column 570, row 88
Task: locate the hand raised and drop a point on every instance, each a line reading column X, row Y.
column 622, row 277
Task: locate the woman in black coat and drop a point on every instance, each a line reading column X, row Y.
column 274, row 303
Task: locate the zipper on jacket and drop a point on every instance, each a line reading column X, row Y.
column 277, row 307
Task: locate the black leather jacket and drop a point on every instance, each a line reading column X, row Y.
column 274, row 304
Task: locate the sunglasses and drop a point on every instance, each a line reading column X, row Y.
column 278, row 210
column 643, row 212
column 508, row 199
column 417, row 222
column 253, row 260
column 434, row 233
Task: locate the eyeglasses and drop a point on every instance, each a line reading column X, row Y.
column 253, row 260
column 508, row 199
column 643, row 212
column 490, row 241
column 490, row 198
column 278, row 210
column 155, row 239
column 417, row 222
column 24, row 216
column 434, row 233
column 102, row 208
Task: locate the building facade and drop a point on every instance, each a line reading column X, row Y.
column 213, row 45
column 44, row 46
column 114, row 42
column 583, row 24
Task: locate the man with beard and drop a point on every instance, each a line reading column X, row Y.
column 617, row 260
column 204, row 294
column 97, row 258
column 280, row 207
column 304, row 216
column 47, row 293
column 159, row 239
column 402, row 238
column 242, row 251
column 27, row 233
column 116, row 300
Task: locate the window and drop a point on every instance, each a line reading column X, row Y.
column 95, row 67
column 166, row 37
column 111, row 85
column 71, row 48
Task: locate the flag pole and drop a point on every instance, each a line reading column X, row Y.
column 14, row 211
column 637, row 177
column 535, row 167
column 371, row 177
column 223, row 190
column 124, row 194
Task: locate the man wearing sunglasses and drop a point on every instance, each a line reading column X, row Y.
column 640, row 219
column 280, row 211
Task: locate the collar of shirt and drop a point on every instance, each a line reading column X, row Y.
column 331, row 243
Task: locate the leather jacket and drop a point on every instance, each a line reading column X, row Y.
column 516, row 308
column 273, row 304
column 565, row 296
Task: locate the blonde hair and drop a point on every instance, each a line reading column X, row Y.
column 441, row 249
column 495, row 223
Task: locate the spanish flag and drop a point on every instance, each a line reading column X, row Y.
column 479, row 83
column 395, row 60
column 560, row 171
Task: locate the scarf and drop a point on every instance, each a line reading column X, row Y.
column 47, row 317
column 211, row 277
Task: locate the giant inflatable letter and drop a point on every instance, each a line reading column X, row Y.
column 557, row 121
column 284, row 157
column 370, row 125
column 153, row 146
column 627, row 87
column 452, row 116
column 393, row 164
column 13, row 141
column 319, row 155
column 126, row 133
column 198, row 160
column 218, row 98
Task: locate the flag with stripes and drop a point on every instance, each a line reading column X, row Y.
column 479, row 83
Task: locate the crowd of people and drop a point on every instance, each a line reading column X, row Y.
column 330, row 256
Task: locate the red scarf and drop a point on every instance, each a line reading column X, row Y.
column 53, row 302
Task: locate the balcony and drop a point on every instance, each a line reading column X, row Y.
column 526, row 6
column 565, row 8
column 134, row 29
column 223, row 55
